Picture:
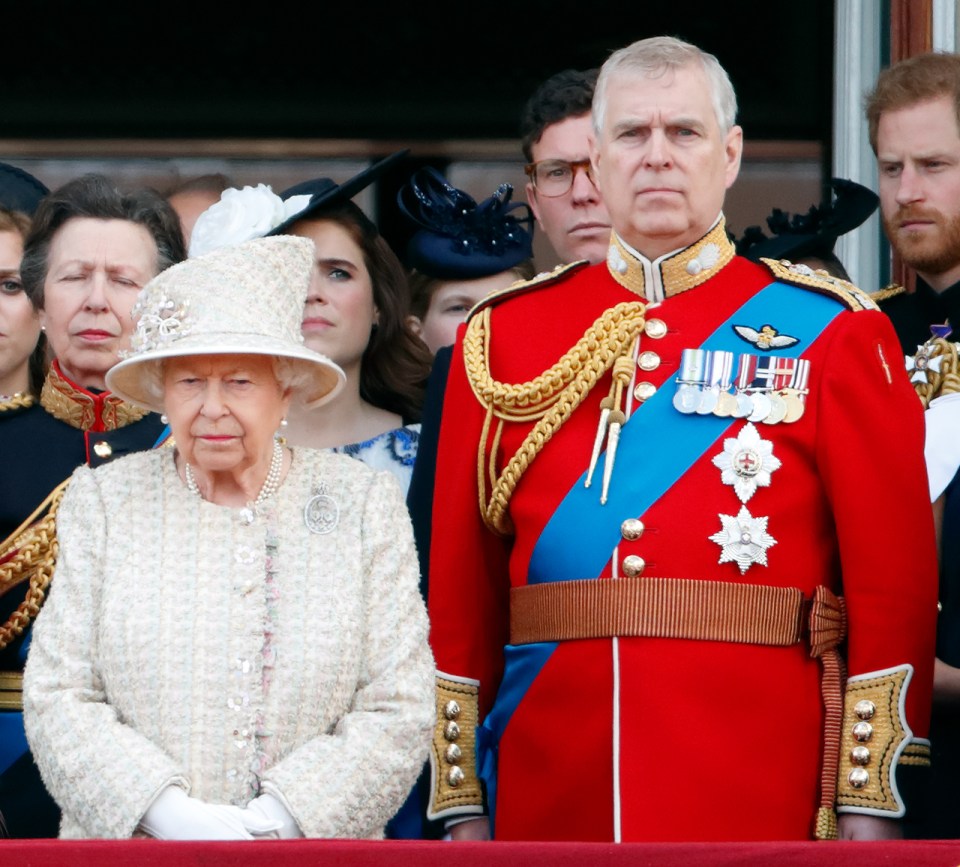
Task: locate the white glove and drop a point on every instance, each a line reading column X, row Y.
column 942, row 447
column 174, row 815
column 270, row 809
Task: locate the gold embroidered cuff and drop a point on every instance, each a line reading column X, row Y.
column 874, row 738
column 455, row 787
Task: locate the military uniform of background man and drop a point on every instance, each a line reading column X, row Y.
column 914, row 119
column 659, row 607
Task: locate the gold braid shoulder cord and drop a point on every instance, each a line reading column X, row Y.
column 18, row 401
column 32, row 552
column 549, row 398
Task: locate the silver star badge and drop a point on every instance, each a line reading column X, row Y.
column 746, row 462
column 920, row 365
column 744, row 540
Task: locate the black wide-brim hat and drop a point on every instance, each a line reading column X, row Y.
column 325, row 193
column 19, row 190
column 814, row 233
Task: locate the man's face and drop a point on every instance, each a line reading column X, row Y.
column 576, row 223
column 662, row 163
column 918, row 151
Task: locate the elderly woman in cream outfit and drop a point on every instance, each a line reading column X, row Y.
column 234, row 645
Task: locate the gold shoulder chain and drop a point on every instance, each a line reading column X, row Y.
column 30, row 553
column 548, row 399
column 943, row 378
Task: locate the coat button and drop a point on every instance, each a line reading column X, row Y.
column 860, row 756
column 655, row 328
column 864, row 709
column 644, row 390
column 102, row 449
column 632, row 565
column 451, row 731
column 862, row 732
column 455, row 777
column 632, row 529
column 451, row 710
column 648, row 360
column 858, row 778
column 453, row 754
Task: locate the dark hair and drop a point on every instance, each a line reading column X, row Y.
column 95, row 197
column 566, row 94
column 916, row 79
column 19, row 222
column 422, row 286
column 215, row 182
column 395, row 365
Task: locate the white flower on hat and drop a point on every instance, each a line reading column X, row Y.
column 242, row 215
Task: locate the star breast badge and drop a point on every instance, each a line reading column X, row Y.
column 746, row 462
column 766, row 338
column 744, row 540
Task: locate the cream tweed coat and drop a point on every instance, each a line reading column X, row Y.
column 147, row 661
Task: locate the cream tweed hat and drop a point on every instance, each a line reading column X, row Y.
column 244, row 299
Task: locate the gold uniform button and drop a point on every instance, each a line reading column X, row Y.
column 644, row 390
column 655, row 328
column 452, row 710
column 451, row 731
column 648, row 360
column 860, row 756
column 453, row 754
column 455, row 777
column 865, row 709
column 862, row 732
column 632, row 529
column 102, row 449
column 633, row 565
column 858, row 778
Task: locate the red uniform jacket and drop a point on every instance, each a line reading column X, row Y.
column 651, row 738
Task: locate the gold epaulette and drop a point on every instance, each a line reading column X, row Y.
column 455, row 786
column 873, row 741
column 17, row 401
column 544, row 278
column 890, row 291
column 820, row 281
column 29, row 554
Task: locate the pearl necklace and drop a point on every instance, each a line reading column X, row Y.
column 270, row 484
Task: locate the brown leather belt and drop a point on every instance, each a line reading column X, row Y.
column 657, row 608
column 11, row 690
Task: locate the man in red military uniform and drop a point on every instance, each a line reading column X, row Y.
column 676, row 592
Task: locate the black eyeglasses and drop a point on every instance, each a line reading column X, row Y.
column 554, row 178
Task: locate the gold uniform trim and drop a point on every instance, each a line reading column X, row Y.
column 820, row 281
column 548, row 400
column 17, row 401
column 453, row 757
column 544, row 278
column 916, row 754
column 77, row 408
column 873, row 736
column 29, row 554
column 686, row 269
column 11, row 690
column 890, row 291
column 939, row 377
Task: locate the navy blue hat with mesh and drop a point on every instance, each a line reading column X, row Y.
column 458, row 238
column 19, row 190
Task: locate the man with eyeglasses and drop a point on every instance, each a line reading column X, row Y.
column 660, row 607
column 555, row 131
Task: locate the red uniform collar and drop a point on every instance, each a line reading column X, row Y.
column 84, row 409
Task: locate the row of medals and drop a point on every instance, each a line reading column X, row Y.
column 750, row 401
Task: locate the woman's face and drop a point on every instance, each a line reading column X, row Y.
column 19, row 322
column 223, row 409
column 450, row 302
column 95, row 268
column 340, row 313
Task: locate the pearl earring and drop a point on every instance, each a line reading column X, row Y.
column 164, row 419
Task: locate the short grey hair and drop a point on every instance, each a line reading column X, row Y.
column 655, row 57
